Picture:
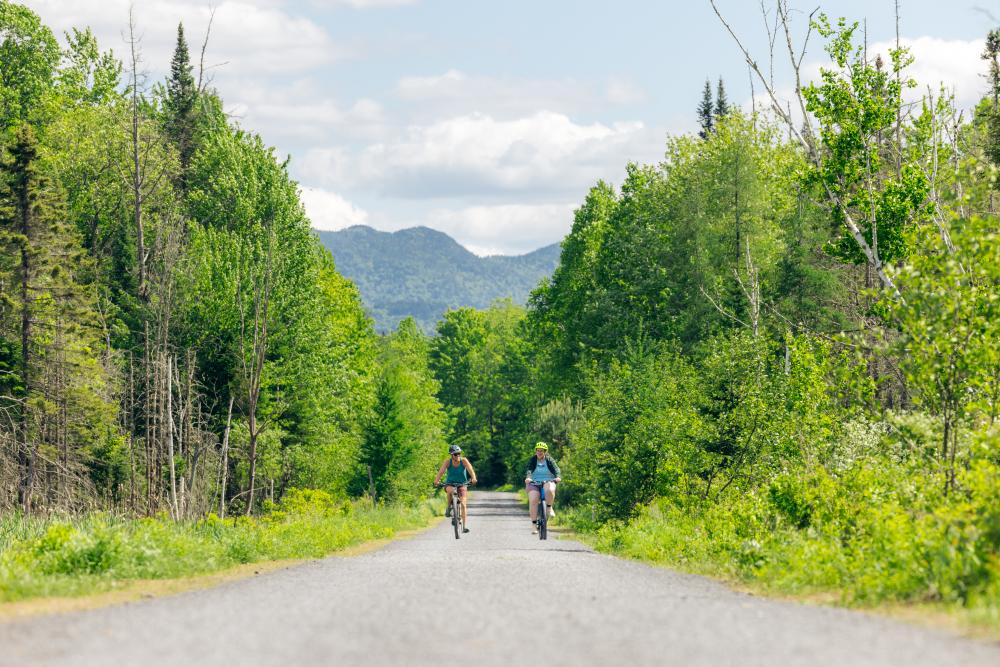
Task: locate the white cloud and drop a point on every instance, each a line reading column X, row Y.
column 954, row 62
column 507, row 229
column 458, row 93
column 543, row 154
column 329, row 211
column 624, row 92
column 300, row 112
column 331, row 166
column 257, row 37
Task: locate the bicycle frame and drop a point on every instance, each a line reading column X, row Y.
column 456, row 508
column 543, row 511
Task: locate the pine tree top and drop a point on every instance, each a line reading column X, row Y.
column 180, row 85
column 705, row 109
column 722, row 106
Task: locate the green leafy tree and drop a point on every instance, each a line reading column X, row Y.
column 332, row 385
column 557, row 422
column 563, row 310
column 29, row 55
column 856, row 104
column 637, row 439
column 949, row 328
column 479, row 361
column 87, row 76
column 630, row 270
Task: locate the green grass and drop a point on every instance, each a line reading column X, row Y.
column 874, row 537
column 53, row 557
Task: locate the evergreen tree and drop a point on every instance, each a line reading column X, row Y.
column 721, row 101
column 60, row 382
column 180, row 101
column 384, row 450
column 404, row 437
column 705, row 108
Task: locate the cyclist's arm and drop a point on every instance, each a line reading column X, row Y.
column 555, row 467
column 468, row 466
column 441, row 471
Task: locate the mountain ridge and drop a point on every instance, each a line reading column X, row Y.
column 422, row 272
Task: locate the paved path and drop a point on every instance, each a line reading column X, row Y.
column 498, row 596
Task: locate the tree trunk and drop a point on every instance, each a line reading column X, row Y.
column 253, row 458
column 168, row 386
column 140, row 245
column 225, row 460
column 26, row 452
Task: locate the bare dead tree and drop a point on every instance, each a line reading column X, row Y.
column 751, row 290
column 202, row 82
column 252, row 359
column 135, row 57
column 806, row 135
column 168, row 392
column 224, row 463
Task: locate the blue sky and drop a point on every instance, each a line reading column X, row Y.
column 489, row 120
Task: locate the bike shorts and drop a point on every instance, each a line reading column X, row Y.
column 550, row 488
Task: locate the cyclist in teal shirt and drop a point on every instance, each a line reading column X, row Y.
column 459, row 473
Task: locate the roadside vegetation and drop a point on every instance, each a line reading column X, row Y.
column 97, row 552
column 179, row 357
column 774, row 356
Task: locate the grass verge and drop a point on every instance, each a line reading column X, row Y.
column 697, row 545
column 130, row 558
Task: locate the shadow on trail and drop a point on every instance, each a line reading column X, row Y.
column 493, row 507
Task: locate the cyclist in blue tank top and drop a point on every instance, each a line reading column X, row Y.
column 543, row 469
column 457, row 472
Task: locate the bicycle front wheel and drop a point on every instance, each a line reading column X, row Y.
column 456, row 517
column 543, row 520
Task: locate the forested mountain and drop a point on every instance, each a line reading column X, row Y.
column 420, row 273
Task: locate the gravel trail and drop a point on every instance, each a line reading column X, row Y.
column 498, row 596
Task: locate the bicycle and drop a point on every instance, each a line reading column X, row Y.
column 543, row 510
column 456, row 508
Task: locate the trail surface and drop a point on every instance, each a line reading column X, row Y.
column 498, row 596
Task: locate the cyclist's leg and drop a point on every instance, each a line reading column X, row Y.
column 463, row 493
column 533, row 496
column 450, row 490
column 550, row 493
